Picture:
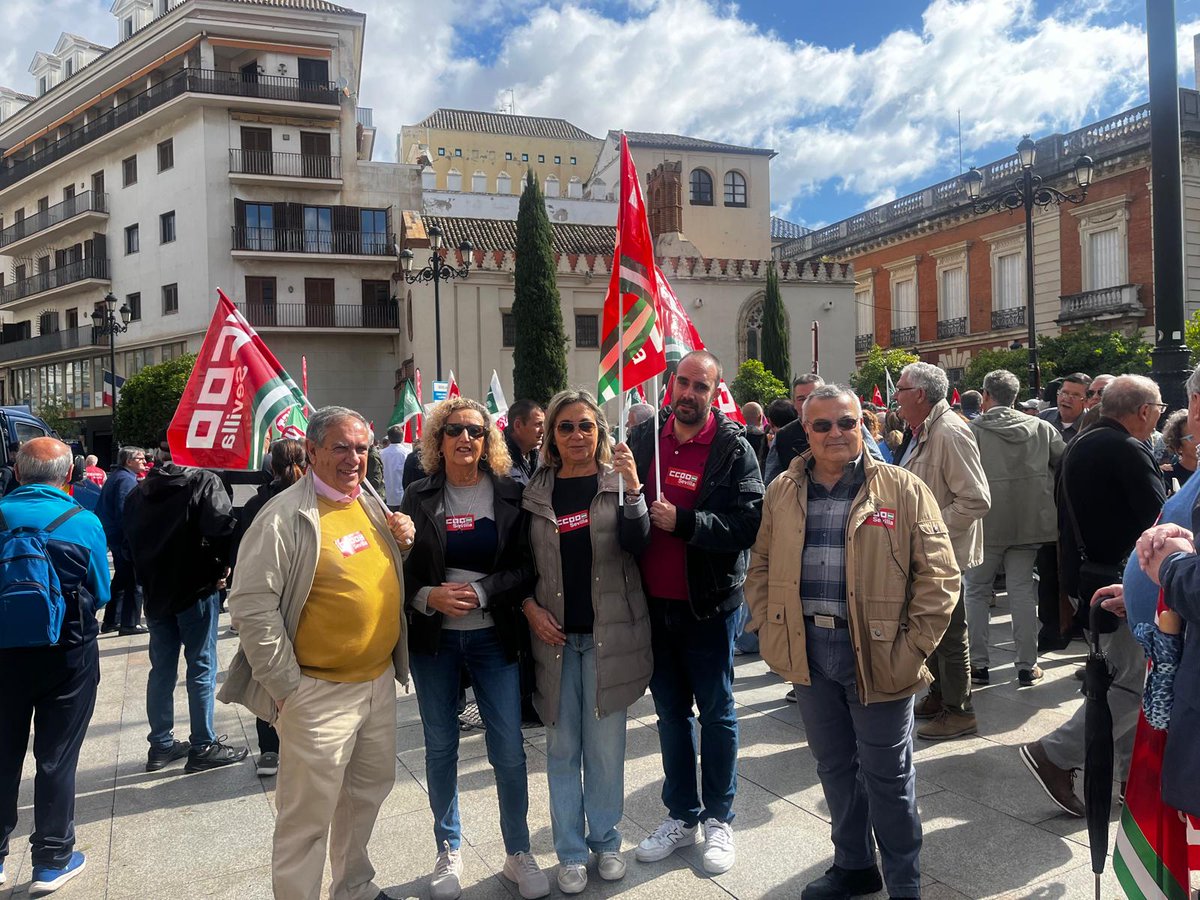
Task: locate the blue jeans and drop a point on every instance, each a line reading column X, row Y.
column 865, row 763
column 693, row 662
column 195, row 631
column 497, row 684
column 583, row 745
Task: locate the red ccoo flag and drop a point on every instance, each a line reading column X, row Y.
column 877, row 398
column 954, row 397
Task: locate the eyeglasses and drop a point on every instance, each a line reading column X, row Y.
column 823, row 426
column 901, row 390
column 585, row 426
column 455, row 429
column 1162, row 407
column 1091, row 394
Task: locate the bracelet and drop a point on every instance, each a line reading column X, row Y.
column 523, row 602
column 632, row 496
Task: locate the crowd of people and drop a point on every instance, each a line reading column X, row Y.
column 560, row 569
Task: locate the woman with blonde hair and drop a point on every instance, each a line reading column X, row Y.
column 590, row 626
column 464, row 579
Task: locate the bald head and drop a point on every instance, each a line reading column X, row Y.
column 44, row 460
column 753, row 414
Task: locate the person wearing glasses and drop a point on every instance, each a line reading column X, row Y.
column 1180, row 442
column 1070, row 403
column 124, row 611
column 465, row 580
column 851, row 584
column 591, row 628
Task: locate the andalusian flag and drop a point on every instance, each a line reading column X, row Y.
column 496, row 402
column 408, row 407
column 235, row 394
column 631, row 350
column 635, row 395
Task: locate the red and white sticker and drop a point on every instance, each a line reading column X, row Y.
column 573, row 521
column 460, row 523
column 682, row 478
column 885, row 517
column 352, row 543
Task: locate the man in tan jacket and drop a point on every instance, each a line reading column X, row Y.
column 317, row 601
column 942, row 452
column 851, row 582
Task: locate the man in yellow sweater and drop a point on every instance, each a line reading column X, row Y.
column 317, row 601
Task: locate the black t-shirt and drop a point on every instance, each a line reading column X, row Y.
column 470, row 543
column 571, row 500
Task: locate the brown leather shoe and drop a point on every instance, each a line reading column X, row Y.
column 928, row 706
column 948, row 724
column 1059, row 784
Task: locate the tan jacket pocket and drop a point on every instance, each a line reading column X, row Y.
column 775, row 638
column 895, row 665
column 939, row 551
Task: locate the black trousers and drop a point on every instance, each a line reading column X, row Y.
column 1048, row 590
column 124, row 610
column 54, row 688
column 268, row 737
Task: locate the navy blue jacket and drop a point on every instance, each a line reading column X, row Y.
column 111, row 508
column 1180, row 577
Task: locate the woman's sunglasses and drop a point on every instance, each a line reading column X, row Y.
column 585, row 426
column 455, row 429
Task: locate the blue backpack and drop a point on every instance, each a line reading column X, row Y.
column 32, row 606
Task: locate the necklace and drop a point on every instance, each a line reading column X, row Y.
column 454, row 495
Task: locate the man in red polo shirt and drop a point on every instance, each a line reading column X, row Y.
column 706, row 515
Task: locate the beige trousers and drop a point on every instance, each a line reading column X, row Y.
column 337, row 764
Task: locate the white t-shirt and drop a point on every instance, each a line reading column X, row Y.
column 393, row 456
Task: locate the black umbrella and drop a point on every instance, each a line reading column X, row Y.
column 1098, row 744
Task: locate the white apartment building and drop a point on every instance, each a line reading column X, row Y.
column 217, row 143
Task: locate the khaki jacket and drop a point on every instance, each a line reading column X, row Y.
column 622, row 625
column 901, row 579
column 947, row 460
column 277, row 560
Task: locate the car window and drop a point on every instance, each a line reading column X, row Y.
column 27, row 431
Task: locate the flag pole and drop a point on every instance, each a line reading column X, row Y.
column 657, row 466
column 620, row 332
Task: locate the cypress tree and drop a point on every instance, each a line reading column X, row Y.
column 540, row 354
column 775, row 357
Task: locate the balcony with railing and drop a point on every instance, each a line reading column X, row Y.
column 84, row 209
column 264, row 91
column 1008, row 318
column 248, row 241
column 66, row 279
column 863, row 342
column 285, row 169
column 904, row 337
column 1119, row 300
column 45, row 344
column 375, row 315
column 948, row 328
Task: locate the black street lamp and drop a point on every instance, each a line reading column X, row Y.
column 437, row 271
column 105, row 324
column 1027, row 192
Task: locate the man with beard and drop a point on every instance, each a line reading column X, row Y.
column 705, row 507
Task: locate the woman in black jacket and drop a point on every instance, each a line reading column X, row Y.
column 468, row 570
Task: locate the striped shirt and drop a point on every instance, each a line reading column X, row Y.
column 823, row 563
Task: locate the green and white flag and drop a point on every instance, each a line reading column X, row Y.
column 496, row 402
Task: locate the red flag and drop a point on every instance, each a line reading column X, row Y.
column 877, row 398
column 304, row 374
column 631, row 335
column 452, row 388
column 953, row 397
column 726, row 403
column 235, row 393
column 680, row 336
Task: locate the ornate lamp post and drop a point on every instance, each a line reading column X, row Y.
column 1025, row 193
column 437, row 271
column 104, row 323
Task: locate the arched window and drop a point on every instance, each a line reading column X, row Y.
column 575, row 188
column 479, row 182
column 551, row 186
column 454, row 180
column 735, row 189
column 750, row 327
column 503, row 183
column 702, row 188
column 753, row 332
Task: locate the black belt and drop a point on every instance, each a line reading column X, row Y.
column 827, row 621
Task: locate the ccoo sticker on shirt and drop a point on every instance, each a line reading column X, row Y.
column 460, row 523
column 352, row 543
column 885, row 517
column 682, row 478
column 573, row 521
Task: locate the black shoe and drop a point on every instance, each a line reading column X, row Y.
column 136, row 629
column 980, row 676
column 790, row 696
column 106, row 628
column 838, row 883
column 214, row 755
column 159, row 757
column 1030, row 677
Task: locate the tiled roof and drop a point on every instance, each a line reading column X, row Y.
column 310, row 5
column 16, row 95
column 782, row 229
column 660, row 141
column 504, row 123
column 499, row 234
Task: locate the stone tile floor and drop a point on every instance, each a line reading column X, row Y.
column 989, row 829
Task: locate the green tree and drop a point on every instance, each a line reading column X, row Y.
column 149, row 398
column 1094, row 351
column 870, row 373
column 1015, row 361
column 540, row 353
column 775, row 331
column 60, row 415
column 755, row 383
column 1191, row 336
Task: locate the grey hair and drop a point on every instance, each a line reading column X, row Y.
column 31, row 470
column 929, row 378
column 126, row 454
column 327, row 416
column 639, row 412
column 1193, row 383
column 1002, row 386
column 91, row 459
column 832, row 392
column 1126, row 395
column 807, row 378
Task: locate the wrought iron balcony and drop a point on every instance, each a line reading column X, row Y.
column 904, row 337
column 1119, row 300
column 88, row 201
column 863, row 342
column 289, row 165
column 1008, row 318
column 80, row 270
column 314, row 315
column 301, row 240
column 43, row 344
column 948, row 328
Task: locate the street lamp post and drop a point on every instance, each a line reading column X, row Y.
column 1025, row 193
column 104, row 323
column 437, row 271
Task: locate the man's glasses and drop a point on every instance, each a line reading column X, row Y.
column 1091, row 394
column 1162, row 407
column 823, row 426
column 455, row 429
column 585, row 426
column 901, row 390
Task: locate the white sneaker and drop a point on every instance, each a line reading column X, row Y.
column 523, row 870
column 572, row 878
column 666, row 839
column 718, row 847
column 611, row 865
column 446, row 881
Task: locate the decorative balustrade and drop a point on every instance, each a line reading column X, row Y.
column 1120, row 299
column 863, row 342
column 904, row 337
column 948, row 328
column 1008, row 318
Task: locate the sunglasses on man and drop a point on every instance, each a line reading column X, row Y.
column 824, row 426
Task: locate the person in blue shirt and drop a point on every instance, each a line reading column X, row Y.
column 57, row 683
column 125, row 613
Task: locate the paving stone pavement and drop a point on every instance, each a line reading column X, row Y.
column 990, row 831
